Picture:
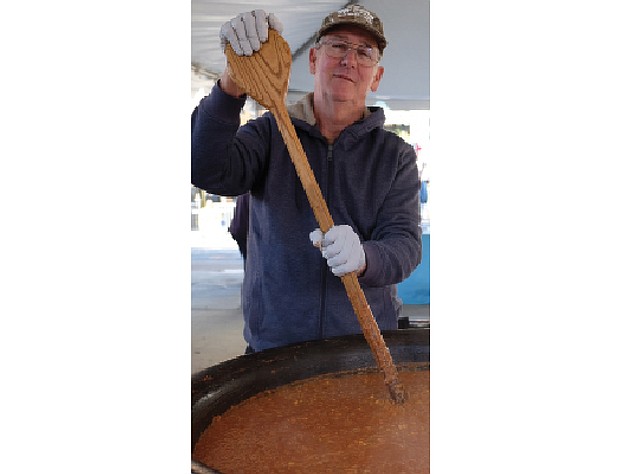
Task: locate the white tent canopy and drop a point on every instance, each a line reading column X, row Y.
column 405, row 84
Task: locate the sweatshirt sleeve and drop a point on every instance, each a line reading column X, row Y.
column 395, row 248
column 221, row 163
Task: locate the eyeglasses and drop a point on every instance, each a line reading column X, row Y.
column 366, row 55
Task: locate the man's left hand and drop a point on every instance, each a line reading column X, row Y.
column 342, row 248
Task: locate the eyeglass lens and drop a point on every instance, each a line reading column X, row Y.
column 339, row 49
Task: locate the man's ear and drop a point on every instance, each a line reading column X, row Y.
column 312, row 56
column 374, row 85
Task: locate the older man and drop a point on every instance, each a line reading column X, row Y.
column 368, row 176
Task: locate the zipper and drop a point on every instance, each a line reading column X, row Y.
column 324, row 268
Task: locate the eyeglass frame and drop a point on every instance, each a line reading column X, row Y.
column 350, row 47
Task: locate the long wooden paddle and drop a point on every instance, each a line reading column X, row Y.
column 264, row 75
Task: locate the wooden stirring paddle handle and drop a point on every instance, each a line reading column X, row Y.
column 354, row 291
column 264, row 76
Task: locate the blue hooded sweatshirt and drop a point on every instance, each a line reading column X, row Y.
column 369, row 179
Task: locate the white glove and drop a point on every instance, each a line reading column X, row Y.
column 342, row 248
column 247, row 31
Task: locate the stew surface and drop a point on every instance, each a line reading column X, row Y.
column 340, row 423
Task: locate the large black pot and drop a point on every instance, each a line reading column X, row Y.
column 217, row 388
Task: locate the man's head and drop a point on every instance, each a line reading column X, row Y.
column 345, row 58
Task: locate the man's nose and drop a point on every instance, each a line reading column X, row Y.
column 351, row 54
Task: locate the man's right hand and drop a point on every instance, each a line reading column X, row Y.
column 247, row 31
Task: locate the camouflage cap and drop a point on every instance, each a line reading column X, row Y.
column 355, row 15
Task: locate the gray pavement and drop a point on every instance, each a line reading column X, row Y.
column 217, row 321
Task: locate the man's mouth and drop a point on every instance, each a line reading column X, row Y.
column 343, row 76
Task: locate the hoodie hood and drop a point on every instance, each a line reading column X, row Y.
column 303, row 109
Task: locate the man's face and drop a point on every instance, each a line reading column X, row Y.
column 344, row 79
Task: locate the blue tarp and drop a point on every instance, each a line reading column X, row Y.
column 417, row 288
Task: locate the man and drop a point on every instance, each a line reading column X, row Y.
column 368, row 176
